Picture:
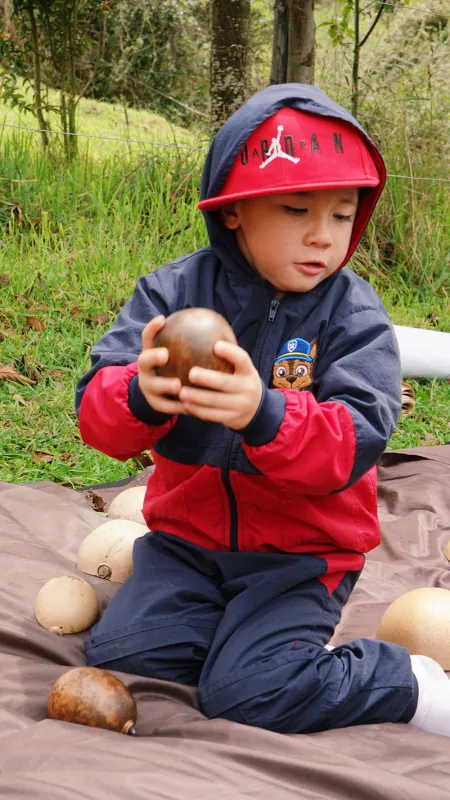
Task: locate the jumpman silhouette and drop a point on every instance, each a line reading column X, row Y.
column 275, row 151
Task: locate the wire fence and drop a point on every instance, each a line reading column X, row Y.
column 177, row 147
column 404, row 7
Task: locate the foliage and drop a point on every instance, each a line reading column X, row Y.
column 76, row 237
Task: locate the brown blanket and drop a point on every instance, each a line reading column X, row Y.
column 178, row 754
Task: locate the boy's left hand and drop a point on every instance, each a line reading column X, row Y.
column 232, row 400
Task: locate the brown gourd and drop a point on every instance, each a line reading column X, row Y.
column 93, row 697
column 190, row 336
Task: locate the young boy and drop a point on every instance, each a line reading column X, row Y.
column 263, row 501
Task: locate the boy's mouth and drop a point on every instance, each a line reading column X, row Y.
column 310, row 267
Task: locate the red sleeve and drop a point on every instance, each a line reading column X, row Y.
column 314, row 446
column 106, row 421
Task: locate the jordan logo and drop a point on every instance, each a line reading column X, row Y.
column 275, row 151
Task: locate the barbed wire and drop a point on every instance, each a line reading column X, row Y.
column 176, row 146
column 412, row 8
column 104, row 138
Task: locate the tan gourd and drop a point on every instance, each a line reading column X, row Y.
column 128, row 504
column 66, row 605
column 93, row 697
column 420, row 621
column 107, row 552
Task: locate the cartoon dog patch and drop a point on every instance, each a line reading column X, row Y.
column 293, row 366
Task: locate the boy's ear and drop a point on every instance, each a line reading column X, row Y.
column 230, row 216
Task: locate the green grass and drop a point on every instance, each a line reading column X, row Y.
column 100, row 120
column 74, row 240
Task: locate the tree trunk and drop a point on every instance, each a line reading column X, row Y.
column 293, row 50
column 279, row 70
column 7, row 15
column 72, row 93
column 37, row 74
column 355, row 65
column 229, row 66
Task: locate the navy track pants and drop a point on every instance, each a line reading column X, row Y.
column 249, row 630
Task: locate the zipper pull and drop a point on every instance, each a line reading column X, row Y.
column 273, row 309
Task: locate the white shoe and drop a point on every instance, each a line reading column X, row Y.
column 433, row 706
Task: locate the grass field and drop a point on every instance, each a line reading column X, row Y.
column 74, row 240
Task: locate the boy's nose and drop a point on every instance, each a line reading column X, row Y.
column 318, row 235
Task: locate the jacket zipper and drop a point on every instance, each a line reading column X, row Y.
column 234, row 547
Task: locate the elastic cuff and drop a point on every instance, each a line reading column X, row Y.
column 411, row 708
column 265, row 425
column 140, row 408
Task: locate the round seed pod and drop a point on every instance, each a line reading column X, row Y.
column 420, row 621
column 190, row 336
column 128, row 504
column 66, row 605
column 93, row 697
column 107, row 552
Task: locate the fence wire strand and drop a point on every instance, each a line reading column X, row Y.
column 104, row 138
column 177, row 146
column 404, row 7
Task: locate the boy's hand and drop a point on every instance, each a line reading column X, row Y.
column 236, row 398
column 152, row 386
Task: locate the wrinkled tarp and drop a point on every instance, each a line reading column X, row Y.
column 178, row 754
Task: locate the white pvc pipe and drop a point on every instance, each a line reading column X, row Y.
column 423, row 353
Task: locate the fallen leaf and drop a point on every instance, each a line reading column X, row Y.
column 95, row 500
column 430, row 439
column 67, row 457
column 40, row 455
column 22, row 299
column 55, row 374
column 19, row 399
column 4, row 279
column 122, row 302
column 16, row 211
column 32, row 372
column 408, row 402
column 41, row 282
column 12, row 334
column 35, row 323
column 143, row 460
column 109, row 299
column 75, row 311
column 9, row 373
column 99, row 319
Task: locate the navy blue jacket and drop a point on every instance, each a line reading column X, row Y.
column 301, row 476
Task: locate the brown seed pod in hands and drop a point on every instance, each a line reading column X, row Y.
column 190, row 336
column 93, row 697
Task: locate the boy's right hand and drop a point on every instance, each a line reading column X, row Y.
column 154, row 388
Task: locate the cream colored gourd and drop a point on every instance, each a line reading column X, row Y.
column 66, row 605
column 128, row 504
column 107, row 552
column 420, row 621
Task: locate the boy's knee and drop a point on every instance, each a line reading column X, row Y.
column 127, row 664
column 260, row 711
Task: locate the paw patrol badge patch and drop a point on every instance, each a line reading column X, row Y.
column 293, row 366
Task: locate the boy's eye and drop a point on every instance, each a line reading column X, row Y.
column 293, row 210
column 343, row 217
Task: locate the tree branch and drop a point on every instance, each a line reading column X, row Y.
column 363, row 41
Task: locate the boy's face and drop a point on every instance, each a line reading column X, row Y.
column 294, row 241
